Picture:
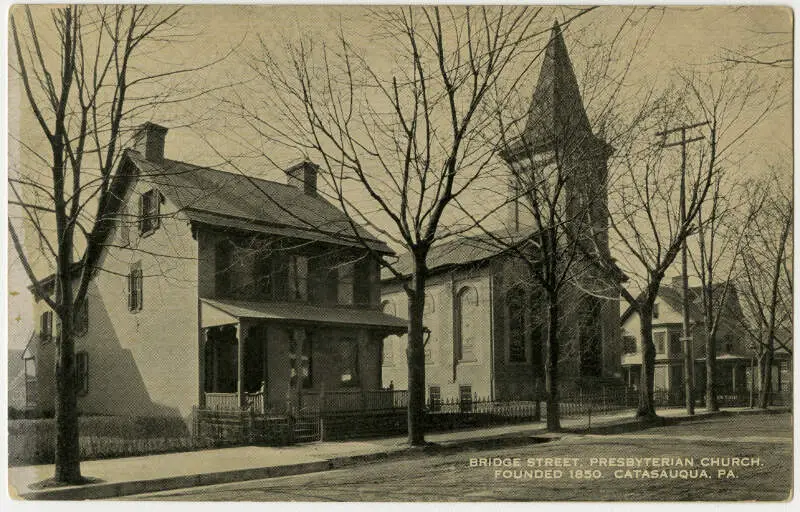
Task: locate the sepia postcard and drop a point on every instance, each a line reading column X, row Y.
column 401, row 253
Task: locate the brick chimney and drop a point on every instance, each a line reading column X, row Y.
column 303, row 175
column 149, row 141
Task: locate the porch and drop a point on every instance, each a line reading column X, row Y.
column 278, row 358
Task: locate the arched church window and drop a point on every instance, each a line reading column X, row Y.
column 590, row 339
column 515, row 307
column 430, row 305
column 466, row 322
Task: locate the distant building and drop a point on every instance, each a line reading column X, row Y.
column 735, row 354
column 484, row 311
column 219, row 290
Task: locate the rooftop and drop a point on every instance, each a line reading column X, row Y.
column 221, row 198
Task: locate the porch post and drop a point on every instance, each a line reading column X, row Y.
column 202, row 367
column 263, row 338
column 212, row 335
column 240, row 391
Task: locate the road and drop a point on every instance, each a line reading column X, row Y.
column 592, row 468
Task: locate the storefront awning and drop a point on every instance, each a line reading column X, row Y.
column 221, row 312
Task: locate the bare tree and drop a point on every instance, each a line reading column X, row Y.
column 81, row 71
column 408, row 133
column 558, row 175
column 715, row 257
column 766, row 276
column 651, row 192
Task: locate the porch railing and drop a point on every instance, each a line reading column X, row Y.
column 222, row 401
column 230, row 402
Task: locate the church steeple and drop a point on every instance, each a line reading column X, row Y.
column 557, row 132
column 556, row 114
column 556, row 109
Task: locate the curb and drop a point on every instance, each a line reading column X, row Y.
column 117, row 489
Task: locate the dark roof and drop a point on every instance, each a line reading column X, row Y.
column 226, row 199
column 673, row 296
column 291, row 311
column 465, row 250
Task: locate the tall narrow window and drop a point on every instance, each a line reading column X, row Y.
column 538, row 329
column 466, row 321
column 223, row 260
column 435, row 398
column 135, row 287
column 629, row 344
column 300, row 341
column 149, row 212
column 465, row 398
column 655, row 310
column 660, row 341
column 675, row 343
column 82, row 372
column 345, row 283
column 46, row 326
column 362, row 281
column 279, row 278
column 515, row 304
column 297, row 276
column 590, row 337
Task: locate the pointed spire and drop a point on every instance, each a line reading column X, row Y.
column 556, row 110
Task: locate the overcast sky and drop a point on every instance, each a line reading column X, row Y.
column 681, row 38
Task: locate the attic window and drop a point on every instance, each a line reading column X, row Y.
column 655, row 310
column 149, row 212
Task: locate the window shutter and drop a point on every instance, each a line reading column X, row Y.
column 142, row 213
column 131, row 287
column 156, row 199
column 139, row 289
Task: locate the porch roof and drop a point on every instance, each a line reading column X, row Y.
column 297, row 312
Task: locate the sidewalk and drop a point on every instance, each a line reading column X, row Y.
column 136, row 475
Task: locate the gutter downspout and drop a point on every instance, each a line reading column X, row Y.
column 491, row 335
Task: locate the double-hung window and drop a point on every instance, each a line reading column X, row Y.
column 135, row 288
column 149, row 212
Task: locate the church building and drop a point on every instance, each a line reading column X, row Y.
column 485, row 315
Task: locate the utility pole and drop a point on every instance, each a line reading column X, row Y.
column 686, row 337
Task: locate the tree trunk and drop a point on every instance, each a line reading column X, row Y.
column 415, row 353
column 711, row 371
column 766, row 377
column 551, row 368
column 646, row 408
column 67, row 449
